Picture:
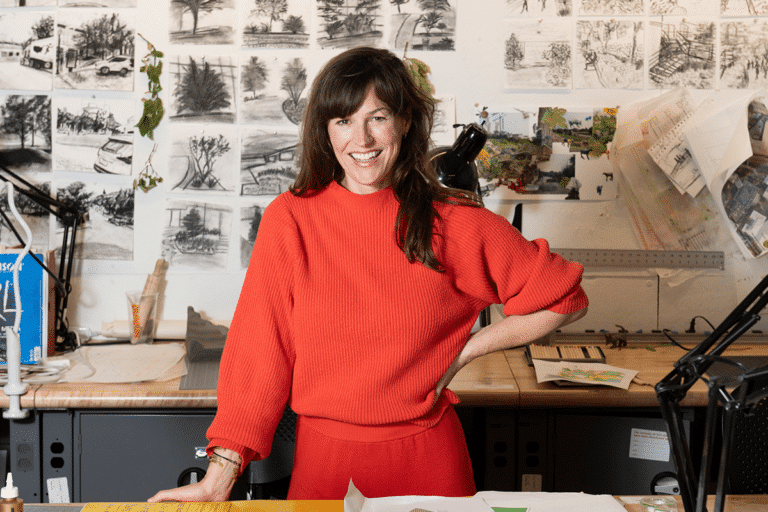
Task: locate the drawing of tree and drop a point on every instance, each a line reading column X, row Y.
column 294, row 24
column 432, row 17
column 205, row 150
column 201, row 90
column 514, row 52
column 195, row 7
column 20, row 116
column 104, row 36
column 559, row 58
column 75, row 195
column 398, row 3
column 331, row 13
column 272, row 9
column 294, row 82
column 361, row 20
column 44, row 28
column 254, row 76
column 254, row 226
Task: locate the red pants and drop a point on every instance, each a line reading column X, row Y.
column 391, row 460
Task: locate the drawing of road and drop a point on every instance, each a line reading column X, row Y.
column 407, row 29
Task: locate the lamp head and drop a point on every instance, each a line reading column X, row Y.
column 455, row 166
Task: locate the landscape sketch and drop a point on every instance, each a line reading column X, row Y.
column 25, row 133
column 538, row 54
column 268, row 161
column 349, row 23
column 540, row 8
column 107, row 233
column 115, row 4
column 744, row 54
column 612, row 8
column 27, row 51
column 609, row 54
column 424, row 25
column 202, row 89
column 36, row 217
column 276, row 23
column 273, row 90
column 202, row 22
column 196, row 235
column 682, row 52
column 684, row 7
column 95, row 49
column 203, row 159
column 93, row 135
column 744, row 7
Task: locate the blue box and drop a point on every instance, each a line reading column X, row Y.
column 33, row 285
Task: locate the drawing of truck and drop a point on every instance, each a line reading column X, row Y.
column 40, row 54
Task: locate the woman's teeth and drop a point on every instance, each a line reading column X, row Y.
column 364, row 157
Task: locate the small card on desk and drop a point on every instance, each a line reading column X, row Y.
column 575, row 353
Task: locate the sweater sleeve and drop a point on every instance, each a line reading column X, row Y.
column 495, row 264
column 256, row 366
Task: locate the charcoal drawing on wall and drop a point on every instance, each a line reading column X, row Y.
column 25, row 126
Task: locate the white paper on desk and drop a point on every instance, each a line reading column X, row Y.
column 123, row 363
column 552, row 502
column 583, row 373
column 354, row 501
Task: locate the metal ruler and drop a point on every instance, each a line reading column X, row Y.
column 637, row 258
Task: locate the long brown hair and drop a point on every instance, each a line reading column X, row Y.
column 337, row 92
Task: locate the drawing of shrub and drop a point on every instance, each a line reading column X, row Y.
column 559, row 58
column 273, row 9
column 294, row 24
column 205, row 150
column 254, row 77
column 201, row 90
column 514, row 53
column 294, row 82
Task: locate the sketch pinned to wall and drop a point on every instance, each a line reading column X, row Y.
column 196, row 235
column 95, row 49
column 250, row 218
column 203, row 89
column 26, row 3
column 424, row 25
column 27, row 51
column 684, row 7
column 682, row 52
column 269, row 161
column 203, row 159
column 115, row 4
column 548, row 153
column 744, row 7
column 521, row 8
column 36, row 217
column 612, row 8
column 94, row 135
column 609, row 54
column 744, row 54
column 349, row 23
column 276, row 23
column 107, row 234
column 538, row 54
column 25, row 145
column 202, row 22
column 273, row 90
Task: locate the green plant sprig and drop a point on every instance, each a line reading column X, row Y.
column 152, row 115
column 153, row 106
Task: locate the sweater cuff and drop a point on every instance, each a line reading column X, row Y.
column 574, row 301
column 246, row 454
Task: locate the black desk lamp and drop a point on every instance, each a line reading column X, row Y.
column 70, row 217
column 751, row 388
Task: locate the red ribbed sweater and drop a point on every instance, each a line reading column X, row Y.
column 332, row 314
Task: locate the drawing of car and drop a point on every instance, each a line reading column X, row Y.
column 120, row 64
column 116, row 155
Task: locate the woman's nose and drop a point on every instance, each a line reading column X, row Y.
column 363, row 135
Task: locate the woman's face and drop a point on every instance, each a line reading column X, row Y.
column 367, row 144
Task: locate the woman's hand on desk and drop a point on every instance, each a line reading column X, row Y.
column 215, row 485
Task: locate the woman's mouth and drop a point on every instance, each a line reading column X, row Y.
column 365, row 157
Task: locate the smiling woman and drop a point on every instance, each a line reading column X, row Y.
column 365, row 281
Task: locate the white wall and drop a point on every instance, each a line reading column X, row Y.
column 474, row 74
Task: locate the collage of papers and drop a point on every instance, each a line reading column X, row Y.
column 714, row 157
